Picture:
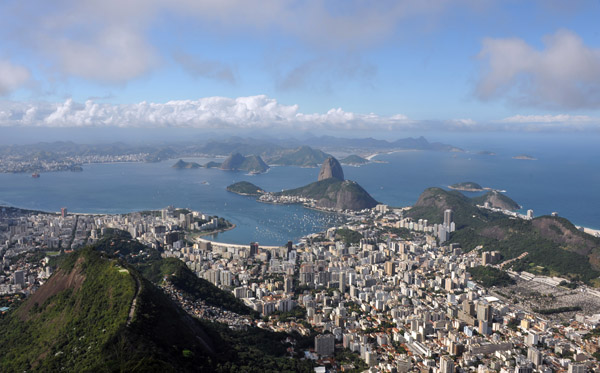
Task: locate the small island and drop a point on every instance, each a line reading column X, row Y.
column 467, row 186
column 354, row 160
column 253, row 164
column 181, row 164
column 212, row 164
column 486, row 152
column 525, row 157
column 245, row 188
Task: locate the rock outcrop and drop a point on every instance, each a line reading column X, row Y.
column 331, row 169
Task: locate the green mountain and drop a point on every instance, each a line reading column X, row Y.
column 251, row 163
column 496, row 200
column 98, row 313
column 553, row 245
column 304, row 156
column 183, row 164
column 334, row 193
column 245, row 188
column 354, row 160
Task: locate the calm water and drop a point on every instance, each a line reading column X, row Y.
column 565, row 178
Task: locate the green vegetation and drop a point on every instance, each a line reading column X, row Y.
column 349, row 236
column 333, row 193
column 180, row 276
column 467, row 185
column 72, row 320
column 569, row 254
column 245, row 188
column 251, row 350
column 551, row 311
column 490, row 276
column 304, row 156
column 354, row 160
column 347, row 358
column 79, row 321
column 496, row 200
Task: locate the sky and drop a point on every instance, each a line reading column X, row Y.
column 285, row 65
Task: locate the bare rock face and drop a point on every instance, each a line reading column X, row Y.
column 331, row 169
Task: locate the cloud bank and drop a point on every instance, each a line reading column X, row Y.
column 563, row 75
column 259, row 112
column 205, row 113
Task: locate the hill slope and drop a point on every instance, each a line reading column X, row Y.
column 496, row 200
column 554, row 245
column 85, row 319
column 334, row 193
column 251, row 163
column 245, row 188
column 304, row 156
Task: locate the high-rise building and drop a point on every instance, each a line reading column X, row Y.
column 448, row 217
column 535, row 356
column 253, row 248
column 530, row 214
column 324, row 344
column 19, row 278
column 342, row 282
column 63, row 212
column 446, row 364
column 389, row 268
column 576, row 368
column 523, row 368
column 288, row 284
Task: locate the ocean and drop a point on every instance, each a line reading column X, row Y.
column 565, row 178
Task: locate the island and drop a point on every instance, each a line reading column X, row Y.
column 212, row 164
column 237, row 162
column 467, row 186
column 354, row 160
column 245, row 188
column 181, row 164
column 486, row 152
column 525, row 157
column 330, row 192
column 304, row 156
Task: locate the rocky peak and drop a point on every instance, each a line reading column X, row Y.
column 331, row 169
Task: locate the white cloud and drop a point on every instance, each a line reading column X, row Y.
column 205, row 113
column 12, row 77
column 565, row 74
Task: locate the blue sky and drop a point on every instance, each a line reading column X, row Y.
column 465, row 65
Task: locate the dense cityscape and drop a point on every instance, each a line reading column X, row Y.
column 397, row 296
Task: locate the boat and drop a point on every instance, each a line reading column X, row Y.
column 35, row 175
